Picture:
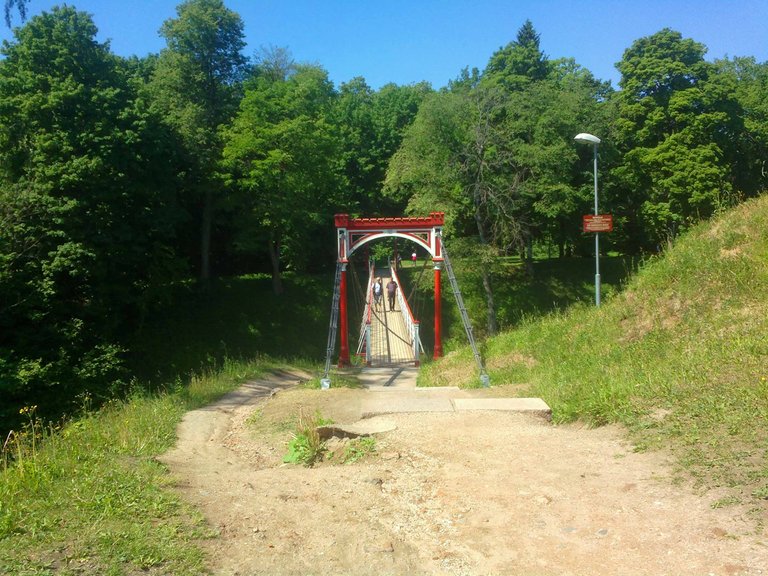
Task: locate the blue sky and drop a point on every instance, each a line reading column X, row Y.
column 433, row 40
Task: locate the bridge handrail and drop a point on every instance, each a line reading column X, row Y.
column 411, row 324
column 366, row 321
column 404, row 306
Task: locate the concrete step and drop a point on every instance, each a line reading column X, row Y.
column 393, row 391
column 428, row 400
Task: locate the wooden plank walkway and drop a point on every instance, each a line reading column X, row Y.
column 390, row 341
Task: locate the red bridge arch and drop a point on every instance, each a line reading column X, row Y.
column 352, row 233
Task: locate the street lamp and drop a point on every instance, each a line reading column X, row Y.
column 585, row 138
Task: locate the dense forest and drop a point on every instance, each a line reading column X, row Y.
column 122, row 178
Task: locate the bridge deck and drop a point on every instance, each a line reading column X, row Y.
column 390, row 341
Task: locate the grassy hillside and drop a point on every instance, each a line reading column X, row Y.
column 680, row 356
column 89, row 497
column 555, row 284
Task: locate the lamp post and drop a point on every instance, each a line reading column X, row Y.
column 585, row 138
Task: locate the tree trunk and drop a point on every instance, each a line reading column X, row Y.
column 529, row 256
column 560, row 239
column 492, row 324
column 205, row 237
column 491, row 307
column 273, row 247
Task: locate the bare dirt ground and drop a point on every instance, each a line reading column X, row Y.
column 475, row 493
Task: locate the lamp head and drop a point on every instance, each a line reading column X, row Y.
column 585, row 138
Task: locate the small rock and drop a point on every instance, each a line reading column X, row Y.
column 602, row 532
column 390, row 455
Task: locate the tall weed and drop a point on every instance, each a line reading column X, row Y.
column 306, row 447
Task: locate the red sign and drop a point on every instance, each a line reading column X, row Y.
column 598, row 223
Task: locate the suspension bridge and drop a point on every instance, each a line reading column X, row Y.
column 389, row 333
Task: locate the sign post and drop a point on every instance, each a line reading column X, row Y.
column 597, row 223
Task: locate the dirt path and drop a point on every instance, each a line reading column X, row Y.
column 462, row 493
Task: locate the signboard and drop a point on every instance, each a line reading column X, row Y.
column 598, row 223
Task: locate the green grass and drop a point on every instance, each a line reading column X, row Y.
column 680, row 356
column 90, row 498
column 358, row 449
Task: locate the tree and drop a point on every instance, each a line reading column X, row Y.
column 274, row 63
column 443, row 165
column 542, row 104
column 542, row 119
column 394, row 109
column 496, row 154
column 86, row 209
column 520, row 62
column 747, row 80
column 196, row 88
column 672, row 125
column 353, row 114
column 425, row 170
column 282, row 165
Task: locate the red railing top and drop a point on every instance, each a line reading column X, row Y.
column 425, row 222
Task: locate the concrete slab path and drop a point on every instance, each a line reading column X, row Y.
column 394, row 391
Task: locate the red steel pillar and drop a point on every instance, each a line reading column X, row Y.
column 344, row 340
column 438, row 312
